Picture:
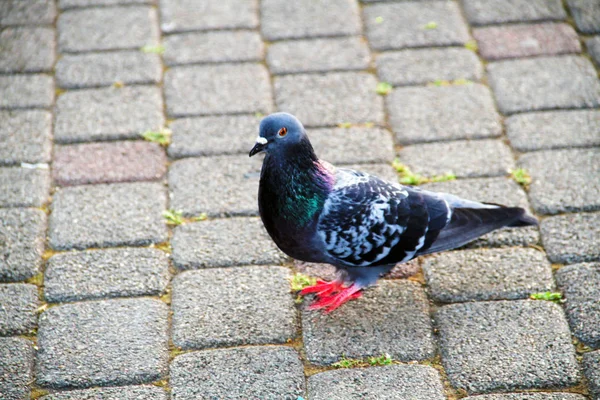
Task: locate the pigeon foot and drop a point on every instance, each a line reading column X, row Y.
column 331, row 295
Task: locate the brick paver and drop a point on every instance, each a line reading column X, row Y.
column 586, row 14
column 571, row 238
column 591, row 368
column 19, row 305
column 346, row 145
column 27, row 49
column 16, row 368
column 126, row 393
column 25, row 136
column 189, row 15
column 17, row 12
column 484, row 12
column 528, row 396
column 24, row 187
column 593, row 47
column 26, row 91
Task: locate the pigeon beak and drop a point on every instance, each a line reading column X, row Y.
column 261, row 144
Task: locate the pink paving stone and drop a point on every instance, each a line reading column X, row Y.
column 510, row 41
column 127, row 161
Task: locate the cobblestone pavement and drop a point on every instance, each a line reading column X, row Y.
column 101, row 299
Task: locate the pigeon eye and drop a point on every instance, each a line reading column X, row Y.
column 282, row 132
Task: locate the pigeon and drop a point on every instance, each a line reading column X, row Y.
column 359, row 223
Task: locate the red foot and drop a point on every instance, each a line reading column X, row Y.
column 333, row 301
column 322, row 288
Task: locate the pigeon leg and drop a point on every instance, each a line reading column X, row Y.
column 322, row 288
column 335, row 300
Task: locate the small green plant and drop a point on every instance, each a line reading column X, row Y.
column 547, row 296
column 384, row 359
column 150, row 49
column 345, row 125
column 201, row 217
column 162, row 136
column 173, row 217
column 458, row 82
column 472, row 45
column 462, row 81
column 430, row 25
column 407, row 177
column 378, row 20
column 521, row 176
column 259, row 114
column 348, row 363
column 383, row 88
column 300, row 281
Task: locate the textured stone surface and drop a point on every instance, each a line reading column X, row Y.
column 391, row 318
column 554, row 129
column 593, row 47
column 108, row 162
column 26, row 91
column 19, row 12
column 207, row 136
column 571, row 238
column 591, row 368
column 110, row 28
column 528, row 396
column 188, row 15
column 466, row 159
column 106, row 273
column 111, row 393
column 487, row 274
column 220, row 185
column 223, row 243
column 25, row 136
column 26, row 49
column 16, row 368
column 405, row 25
column 419, row 66
column 321, row 100
column 394, row 382
column 22, row 239
column 125, row 114
column 108, row 215
column 352, row 145
column 111, row 342
column 217, row 89
column 239, row 373
column 18, row 305
column 24, row 187
column 586, row 14
column 104, row 69
column 483, row 12
column 224, row 307
column 503, row 346
column 213, row 47
column 318, row 55
column 309, row 18
column 580, row 285
column 429, row 114
column 498, row 42
column 66, row 4
column 544, row 83
column 570, row 182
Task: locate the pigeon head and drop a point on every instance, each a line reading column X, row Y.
column 278, row 132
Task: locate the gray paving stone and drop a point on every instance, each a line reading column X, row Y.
column 97, row 274
column 217, row 89
column 190, row 15
column 528, row 396
column 391, row 318
column 24, row 187
column 484, row 12
column 25, row 136
column 117, row 214
column 218, row 186
column 330, row 99
column 504, row 345
column 487, row 274
column 586, row 14
column 110, row 342
column 394, row 382
column 571, row 182
column 22, row 240
column 591, row 368
column 309, row 18
column 223, row 243
column 593, row 47
column 571, row 238
column 107, row 28
column 18, row 303
column 499, row 190
column 466, row 159
column 125, row 114
column 419, row 66
column 104, row 69
column 404, row 25
column 224, row 307
column 544, row 83
column 580, row 285
column 26, row 91
column 16, row 368
column 65, row 4
column 111, row 393
column 318, row 55
column 19, row 12
column 238, row 373
column 429, row 114
column 213, row 47
column 205, row 136
column 27, row 49
column 554, row 129
column 353, row 145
